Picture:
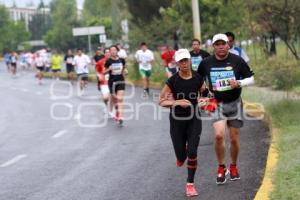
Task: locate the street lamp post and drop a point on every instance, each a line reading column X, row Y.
column 196, row 19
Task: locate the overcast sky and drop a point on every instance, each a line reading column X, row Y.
column 22, row 3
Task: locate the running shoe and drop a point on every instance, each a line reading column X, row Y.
column 179, row 163
column 110, row 115
column 221, row 175
column 120, row 122
column 234, row 173
column 145, row 93
column 190, row 190
column 117, row 116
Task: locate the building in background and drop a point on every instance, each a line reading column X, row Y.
column 26, row 13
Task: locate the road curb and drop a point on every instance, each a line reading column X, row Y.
column 267, row 185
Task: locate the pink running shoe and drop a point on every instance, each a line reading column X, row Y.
column 191, row 190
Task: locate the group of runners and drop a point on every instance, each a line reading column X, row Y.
column 196, row 81
column 110, row 67
column 212, row 83
column 42, row 60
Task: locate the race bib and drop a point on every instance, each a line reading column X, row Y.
column 39, row 63
column 13, row 59
column 220, row 78
column 117, row 68
column 145, row 64
column 70, row 60
column 196, row 62
column 223, row 84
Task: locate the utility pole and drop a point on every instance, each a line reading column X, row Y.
column 115, row 15
column 196, row 19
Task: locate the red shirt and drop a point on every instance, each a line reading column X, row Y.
column 100, row 68
column 167, row 57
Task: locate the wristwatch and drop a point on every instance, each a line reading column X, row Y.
column 239, row 84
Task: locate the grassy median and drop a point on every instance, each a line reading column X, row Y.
column 286, row 119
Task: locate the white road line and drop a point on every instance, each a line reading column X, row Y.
column 59, row 134
column 38, row 93
column 25, row 90
column 14, row 160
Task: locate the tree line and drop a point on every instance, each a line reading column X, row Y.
column 160, row 22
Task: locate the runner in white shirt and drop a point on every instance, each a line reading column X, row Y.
column 29, row 59
column 46, row 55
column 121, row 53
column 82, row 62
column 145, row 57
column 236, row 50
column 39, row 63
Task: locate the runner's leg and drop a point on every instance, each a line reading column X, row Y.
column 219, row 129
column 194, row 131
column 178, row 135
column 234, row 144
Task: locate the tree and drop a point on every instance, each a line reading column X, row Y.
column 145, row 11
column 12, row 33
column 98, row 13
column 40, row 23
column 152, row 22
column 279, row 18
column 107, row 13
column 18, row 34
column 166, row 21
column 96, row 8
column 64, row 17
column 220, row 16
column 4, row 29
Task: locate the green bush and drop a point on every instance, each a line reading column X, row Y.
column 158, row 70
column 133, row 69
column 277, row 73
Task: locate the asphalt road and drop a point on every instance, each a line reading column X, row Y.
column 57, row 145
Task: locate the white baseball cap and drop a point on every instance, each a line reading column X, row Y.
column 182, row 54
column 220, row 36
